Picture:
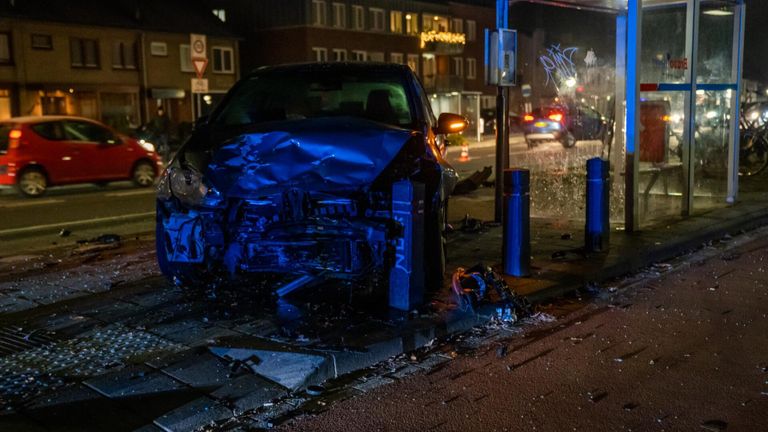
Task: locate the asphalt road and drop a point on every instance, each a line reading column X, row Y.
column 85, row 210
column 119, row 208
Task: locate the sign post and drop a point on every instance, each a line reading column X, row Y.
column 198, row 53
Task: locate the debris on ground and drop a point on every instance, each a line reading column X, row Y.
column 472, row 225
column 473, row 182
column 472, row 286
column 65, row 233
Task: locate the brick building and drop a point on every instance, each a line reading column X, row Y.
column 441, row 41
column 113, row 61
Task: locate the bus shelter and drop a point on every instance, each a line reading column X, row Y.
column 675, row 87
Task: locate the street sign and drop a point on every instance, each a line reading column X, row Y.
column 500, row 57
column 200, row 65
column 199, row 85
column 197, row 46
column 525, row 89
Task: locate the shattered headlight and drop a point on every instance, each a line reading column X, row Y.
column 189, row 187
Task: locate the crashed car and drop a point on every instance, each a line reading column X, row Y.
column 330, row 170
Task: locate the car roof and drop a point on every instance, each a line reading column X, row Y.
column 334, row 66
column 45, row 118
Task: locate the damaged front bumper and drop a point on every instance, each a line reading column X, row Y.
column 244, row 236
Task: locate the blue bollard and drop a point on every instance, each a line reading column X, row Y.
column 406, row 279
column 598, row 227
column 516, row 249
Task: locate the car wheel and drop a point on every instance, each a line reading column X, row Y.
column 568, row 140
column 143, row 174
column 32, row 183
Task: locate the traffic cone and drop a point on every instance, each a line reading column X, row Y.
column 464, row 153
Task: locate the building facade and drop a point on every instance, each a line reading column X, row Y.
column 441, row 41
column 117, row 64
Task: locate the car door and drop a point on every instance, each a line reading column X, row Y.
column 88, row 140
column 53, row 152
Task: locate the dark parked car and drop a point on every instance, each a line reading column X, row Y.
column 566, row 123
column 43, row 151
column 314, row 169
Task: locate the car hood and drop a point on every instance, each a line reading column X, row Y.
column 324, row 155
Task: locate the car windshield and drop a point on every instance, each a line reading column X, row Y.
column 278, row 95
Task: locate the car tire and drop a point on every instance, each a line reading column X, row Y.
column 568, row 140
column 143, row 174
column 32, row 183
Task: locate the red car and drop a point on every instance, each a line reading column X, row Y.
column 39, row 152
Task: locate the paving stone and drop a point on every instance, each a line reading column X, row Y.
column 68, row 395
column 433, row 360
column 348, row 361
column 192, row 332
column 148, row 428
column 133, row 381
column 292, row 370
column 11, row 304
column 248, row 392
column 406, row 371
column 366, row 385
column 199, row 369
column 193, row 415
column 260, row 328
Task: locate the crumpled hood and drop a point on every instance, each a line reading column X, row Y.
column 340, row 154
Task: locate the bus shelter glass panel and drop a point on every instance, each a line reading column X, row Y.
column 715, row 53
column 567, row 61
column 664, row 95
column 712, row 137
column 661, row 179
column 713, row 105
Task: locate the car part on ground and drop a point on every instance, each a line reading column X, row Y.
column 474, row 285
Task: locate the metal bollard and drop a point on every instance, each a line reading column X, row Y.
column 406, row 279
column 598, row 227
column 516, row 249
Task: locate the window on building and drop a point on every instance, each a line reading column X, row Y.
column 376, row 56
column 159, row 49
column 358, row 18
column 41, row 41
column 339, row 15
column 220, row 14
column 185, row 58
column 377, row 19
column 320, row 54
column 458, row 66
column 359, row 56
column 471, row 30
column 123, row 55
column 457, row 25
column 339, row 54
column 5, row 48
column 412, row 23
column 396, row 58
column 471, row 68
column 223, row 60
column 413, row 62
column 430, row 22
column 84, row 53
column 395, row 21
column 319, row 14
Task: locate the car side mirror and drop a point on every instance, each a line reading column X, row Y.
column 449, row 123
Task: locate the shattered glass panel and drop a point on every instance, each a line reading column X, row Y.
column 663, row 58
column 713, row 113
column 715, row 43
